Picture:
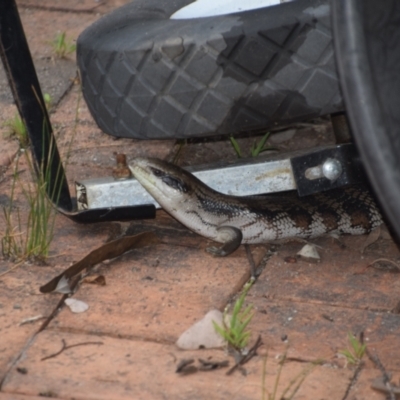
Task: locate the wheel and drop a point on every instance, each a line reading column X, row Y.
column 367, row 40
column 147, row 76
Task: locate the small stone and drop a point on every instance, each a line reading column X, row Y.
column 309, row 253
column 76, row 306
column 202, row 334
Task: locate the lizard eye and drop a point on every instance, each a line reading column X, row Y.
column 176, row 183
column 157, row 172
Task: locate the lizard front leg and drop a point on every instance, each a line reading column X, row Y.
column 231, row 237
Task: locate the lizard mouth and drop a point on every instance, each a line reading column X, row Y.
column 165, row 179
column 143, row 175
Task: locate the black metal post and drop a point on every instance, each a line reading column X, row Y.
column 21, row 74
column 25, row 87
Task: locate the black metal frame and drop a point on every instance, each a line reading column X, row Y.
column 21, row 74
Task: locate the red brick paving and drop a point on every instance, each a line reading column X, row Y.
column 153, row 294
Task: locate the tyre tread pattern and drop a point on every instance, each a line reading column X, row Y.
column 163, row 78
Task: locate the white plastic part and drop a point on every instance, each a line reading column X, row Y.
column 210, row 8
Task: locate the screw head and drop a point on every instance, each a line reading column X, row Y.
column 332, row 169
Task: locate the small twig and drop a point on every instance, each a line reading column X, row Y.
column 253, row 268
column 65, row 347
column 252, row 352
column 73, row 283
column 186, row 367
column 183, row 364
column 357, row 372
column 354, row 379
column 305, row 361
column 12, row 268
column 386, row 378
column 31, row 319
column 206, row 365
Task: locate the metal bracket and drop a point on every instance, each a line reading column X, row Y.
column 299, row 170
column 327, row 169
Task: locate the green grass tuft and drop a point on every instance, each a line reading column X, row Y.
column 29, row 240
column 62, row 47
column 256, row 148
column 234, row 332
column 356, row 350
column 16, row 128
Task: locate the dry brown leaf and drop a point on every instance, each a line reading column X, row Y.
column 381, row 232
column 108, row 251
column 99, row 280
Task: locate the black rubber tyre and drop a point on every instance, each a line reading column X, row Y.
column 367, row 40
column 146, row 76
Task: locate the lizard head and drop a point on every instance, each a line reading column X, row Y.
column 167, row 183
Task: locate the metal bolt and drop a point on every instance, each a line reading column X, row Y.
column 332, row 169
